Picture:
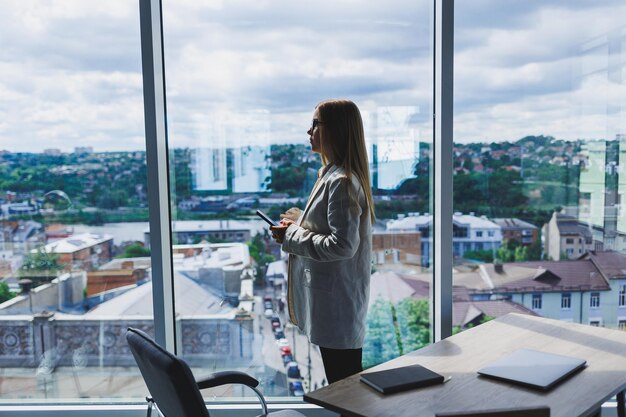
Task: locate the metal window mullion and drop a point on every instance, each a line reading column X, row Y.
column 153, row 70
column 441, row 290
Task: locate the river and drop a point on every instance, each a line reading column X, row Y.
column 133, row 231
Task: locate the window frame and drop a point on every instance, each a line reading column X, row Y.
column 566, row 301
column 621, row 300
column 160, row 219
column 594, row 300
column 153, row 69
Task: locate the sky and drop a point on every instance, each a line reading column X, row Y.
column 244, row 72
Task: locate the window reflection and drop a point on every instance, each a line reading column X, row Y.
column 539, row 139
column 242, row 84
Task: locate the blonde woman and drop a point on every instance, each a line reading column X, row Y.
column 329, row 242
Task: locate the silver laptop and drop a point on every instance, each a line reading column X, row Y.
column 533, row 368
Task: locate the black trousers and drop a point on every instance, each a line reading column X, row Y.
column 341, row 363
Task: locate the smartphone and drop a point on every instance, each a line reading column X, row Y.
column 267, row 219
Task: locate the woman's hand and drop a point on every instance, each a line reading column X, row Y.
column 291, row 214
column 278, row 232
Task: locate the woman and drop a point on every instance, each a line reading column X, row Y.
column 329, row 242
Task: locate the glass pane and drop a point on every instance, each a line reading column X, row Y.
column 539, row 147
column 74, row 272
column 243, row 79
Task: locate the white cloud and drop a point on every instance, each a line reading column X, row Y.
column 70, row 71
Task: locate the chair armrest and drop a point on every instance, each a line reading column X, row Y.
column 227, row 377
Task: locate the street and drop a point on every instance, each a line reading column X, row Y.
column 306, row 355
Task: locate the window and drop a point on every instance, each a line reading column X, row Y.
column 594, row 300
column 622, row 296
column 621, row 324
column 502, row 165
column 74, row 212
column 479, row 233
column 458, row 231
column 491, row 234
column 536, row 302
column 595, row 323
column 566, row 301
column 509, row 167
column 240, row 101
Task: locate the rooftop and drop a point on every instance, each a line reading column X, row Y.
column 413, row 222
column 75, row 243
column 138, row 301
column 543, row 276
column 182, row 226
column 513, row 223
column 612, row 264
column 464, row 312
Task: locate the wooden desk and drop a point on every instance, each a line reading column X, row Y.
column 460, row 356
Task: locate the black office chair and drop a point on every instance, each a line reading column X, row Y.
column 173, row 389
column 542, row 411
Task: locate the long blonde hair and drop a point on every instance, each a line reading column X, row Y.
column 342, row 142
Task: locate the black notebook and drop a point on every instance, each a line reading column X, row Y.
column 401, row 379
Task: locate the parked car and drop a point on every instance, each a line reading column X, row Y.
column 268, row 313
column 276, row 325
column 295, row 387
column 287, row 358
column 268, row 305
column 275, row 319
column 293, row 371
column 285, row 351
column 282, row 342
column 279, row 334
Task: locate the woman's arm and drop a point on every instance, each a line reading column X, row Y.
column 343, row 215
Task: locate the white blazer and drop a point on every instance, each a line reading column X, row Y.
column 330, row 262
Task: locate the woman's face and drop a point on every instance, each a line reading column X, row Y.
column 314, row 132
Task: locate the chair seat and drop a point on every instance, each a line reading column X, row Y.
column 173, row 387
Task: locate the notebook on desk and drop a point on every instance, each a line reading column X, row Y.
column 533, row 368
column 401, row 379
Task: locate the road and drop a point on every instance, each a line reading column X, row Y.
column 302, row 350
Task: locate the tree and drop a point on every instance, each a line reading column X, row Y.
column 483, row 255
column 112, row 199
column 521, row 254
column 506, row 252
column 258, row 252
column 135, row 250
column 183, row 176
column 413, row 319
column 40, row 266
column 381, row 342
column 291, row 169
column 395, row 330
column 5, row 292
column 506, row 189
column 467, row 193
column 534, row 250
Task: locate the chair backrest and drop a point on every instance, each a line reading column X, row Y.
column 169, row 379
column 541, row 411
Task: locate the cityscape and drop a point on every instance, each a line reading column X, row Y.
column 538, row 229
